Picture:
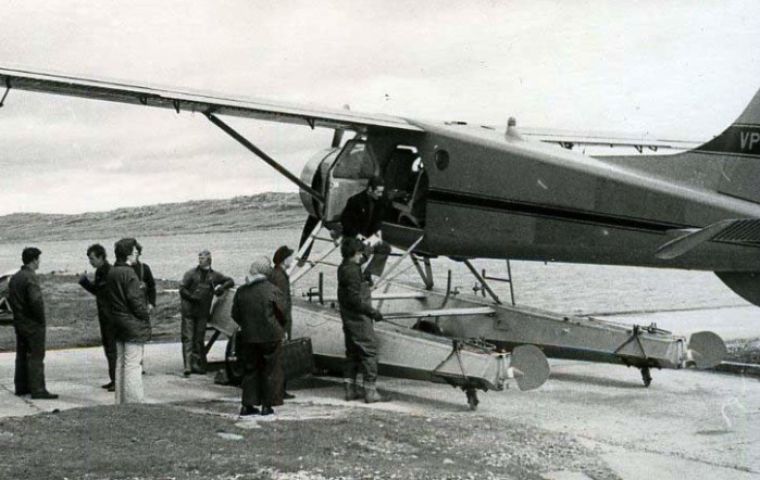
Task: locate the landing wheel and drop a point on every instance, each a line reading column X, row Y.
column 472, row 398
column 646, row 376
column 232, row 364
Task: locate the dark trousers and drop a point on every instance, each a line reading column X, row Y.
column 30, row 360
column 107, row 336
column 380, row 254
column 193, row 336
column 263, row 375
column 361, row 348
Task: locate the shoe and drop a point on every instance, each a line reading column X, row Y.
column 22, row 393
column 186, row 373
column 201, row 371
column 267, row 411
column 371, row 395
column 288, row 396
column 352, row 391
column 112, row 388
column 44, row 395
column 246, row 410
column 108, row 386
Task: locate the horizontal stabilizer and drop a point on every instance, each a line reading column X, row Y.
column 741, row 231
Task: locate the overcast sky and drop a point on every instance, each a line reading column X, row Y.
column 678, row 68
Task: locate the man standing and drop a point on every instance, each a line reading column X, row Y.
column 283, row 259
column 145, row 275
column 96, row 254
column 361, row 219
column 197, row 291
column 257, row 308
column 25, row 298
column 131, row 322
column 357, row 314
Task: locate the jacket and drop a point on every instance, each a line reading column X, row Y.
column 354, row 297
column 25, row 298
column 363, row 215
column 281, row 280
column 98, row 288
column 257, row 307
column 129, row 310
column 147, row 282
column 197, row 291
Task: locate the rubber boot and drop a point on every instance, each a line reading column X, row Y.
column 371, row 395
column 352, row 390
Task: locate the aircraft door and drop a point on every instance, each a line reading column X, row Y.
column 348, row 176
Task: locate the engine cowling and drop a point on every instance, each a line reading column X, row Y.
column 314, row 174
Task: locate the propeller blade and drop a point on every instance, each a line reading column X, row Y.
column 308, row 227
column 706, row 350
column 531, row 369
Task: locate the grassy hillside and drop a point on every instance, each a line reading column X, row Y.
column 199, row 216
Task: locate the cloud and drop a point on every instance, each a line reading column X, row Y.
column 687, row 71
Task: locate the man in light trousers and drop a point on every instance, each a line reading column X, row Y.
column 131, row 320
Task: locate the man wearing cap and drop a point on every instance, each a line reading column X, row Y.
column 358, row 328
column 282, row 259
column 258, row 308
column 361, row 219
column 25, row 298
column 197, row 291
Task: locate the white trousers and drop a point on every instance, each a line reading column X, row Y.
column 129, row 384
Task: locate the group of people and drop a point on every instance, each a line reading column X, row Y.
column 126, row 295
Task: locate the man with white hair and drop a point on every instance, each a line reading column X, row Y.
column 258, row 308
column 197, row 291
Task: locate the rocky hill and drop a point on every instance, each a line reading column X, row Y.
column 266, row 210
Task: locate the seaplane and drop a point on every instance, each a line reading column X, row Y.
column 479, row 192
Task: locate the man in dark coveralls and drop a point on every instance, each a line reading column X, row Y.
column 282, row 259
column 361, row 219
column 198, row 288
column 96, row 254
column 25, row 298
column 358, row 316
column 257, row 307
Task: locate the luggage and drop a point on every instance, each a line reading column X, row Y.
column 297, row 359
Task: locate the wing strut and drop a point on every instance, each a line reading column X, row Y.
column 7, row 91
column 259, row 153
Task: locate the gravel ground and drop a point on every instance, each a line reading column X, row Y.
column 209, row 441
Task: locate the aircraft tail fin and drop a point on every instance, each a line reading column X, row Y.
column 738, row 151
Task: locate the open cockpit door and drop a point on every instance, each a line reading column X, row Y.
column 348, row 176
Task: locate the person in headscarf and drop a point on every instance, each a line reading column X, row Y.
column 258, row 309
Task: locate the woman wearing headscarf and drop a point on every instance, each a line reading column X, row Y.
column 258, row 309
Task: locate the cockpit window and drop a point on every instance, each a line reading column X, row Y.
column 355, row 162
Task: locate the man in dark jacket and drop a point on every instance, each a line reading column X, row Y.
column 361, row 219
column 197, row 291
column 257, row 308
column 25, row 298
column 145, row 275
column 96, row 254
column 357, row 314
column 131, row 321
column 282, row 260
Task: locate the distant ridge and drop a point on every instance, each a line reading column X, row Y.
column 265, row 210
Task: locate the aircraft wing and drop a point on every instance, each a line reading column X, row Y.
column 568, row 138
column 183, row 100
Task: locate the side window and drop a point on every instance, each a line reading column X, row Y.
column 355, row 162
